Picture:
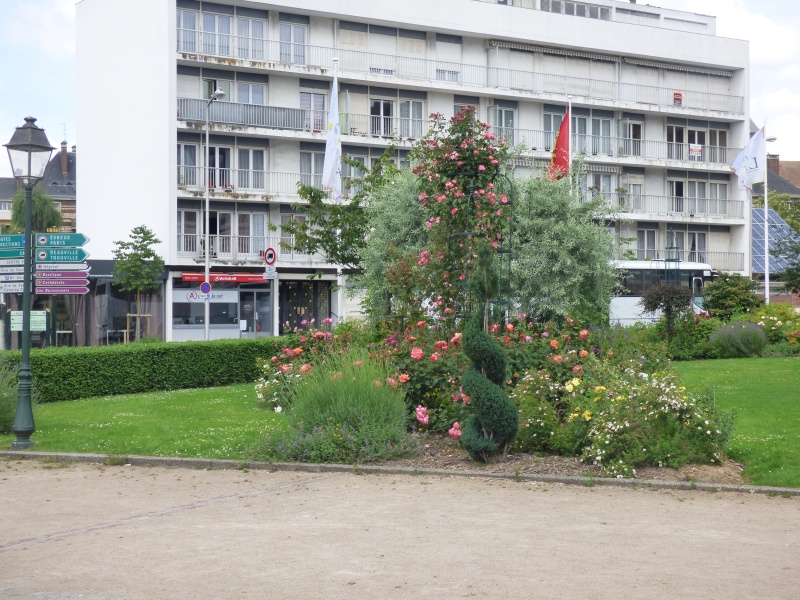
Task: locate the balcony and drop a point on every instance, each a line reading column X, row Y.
column 244, row 181
column 721, row 261
column 298, row 119
column 675, row 207
column 600, row 147
column 242, row 249
column 269, row 54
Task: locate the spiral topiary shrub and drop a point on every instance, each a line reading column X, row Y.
column 494, row 423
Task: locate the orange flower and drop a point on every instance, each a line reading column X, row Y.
column 509, row 327
column 298, row 351
column 558, row 358
column 583, row 353
column 554, row 344
column 404, row 378
column 420, row 323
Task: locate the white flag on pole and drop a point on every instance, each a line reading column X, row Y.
column 749, row 165
column 332, row 168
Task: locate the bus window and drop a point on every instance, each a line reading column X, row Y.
column 697, row 286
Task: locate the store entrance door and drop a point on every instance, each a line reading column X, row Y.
column 255, row 313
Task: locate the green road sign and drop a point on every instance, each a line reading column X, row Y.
column 12, row 241
column 61, row 255
column 17, row 253
column 62, row 240
column 38, row 320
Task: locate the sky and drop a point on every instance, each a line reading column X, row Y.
column 37, row 61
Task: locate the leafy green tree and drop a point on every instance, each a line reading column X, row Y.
column 338, row 230
column 730, row 294
column 561, row 257
column 789, row 249
column 672, row 300
column 137, row 267
column 395, row 236
column 44, row 213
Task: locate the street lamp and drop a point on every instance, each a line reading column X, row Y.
column 29, row 152
column 766, row 220
column 218, row 94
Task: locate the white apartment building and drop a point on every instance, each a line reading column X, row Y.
column 660, row 109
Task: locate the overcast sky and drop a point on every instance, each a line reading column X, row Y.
column 37, row 61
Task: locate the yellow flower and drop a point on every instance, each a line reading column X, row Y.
column 576, row 382
column 587, row 415
column 569, row 387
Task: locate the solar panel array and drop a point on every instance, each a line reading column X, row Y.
column 778, row 229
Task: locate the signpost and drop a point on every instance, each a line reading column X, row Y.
column 59, row 263
column 38, row 320
column 12, row 253
column 12, row 288
column 12, row 241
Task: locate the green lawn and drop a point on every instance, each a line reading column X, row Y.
column 223, row 422
column 766, row 395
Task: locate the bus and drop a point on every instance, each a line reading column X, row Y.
column 637, row 276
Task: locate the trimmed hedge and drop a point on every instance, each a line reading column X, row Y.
column 73, row 373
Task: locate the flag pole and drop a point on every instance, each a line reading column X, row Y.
column 569, row 142
column 766, row 218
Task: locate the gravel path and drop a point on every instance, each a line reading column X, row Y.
column 98, row 532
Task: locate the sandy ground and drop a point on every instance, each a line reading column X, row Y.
column 101, row 532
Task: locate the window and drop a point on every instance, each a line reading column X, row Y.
column 697, row 246
column 411, row 121
column 646, row 240
column 676, row 244
column 381, row 117
column 457, row 108
column 503, row 123
column 447, row 75
column 188, row 173
column 599, row 184
column 633, row 200
column 718, row 198
column 579, row 128
column 313, row 106
column 675, row 141
column 696, row 140
column 293, row 43
column 718, row 144
column 251, row 36
column 286, row 238
column 251, row 174
column 217, row 34
column 219, row 167
column 5, row 205
column 697, row 197
column 601, row 136
column 211, row 85
column 676, row 195
column 631, row 144
column 251, row 236
column 188, row 230
column 311, row 168
column 552, row 121
column 251, row 93
column 187, row 31
column 354, row 174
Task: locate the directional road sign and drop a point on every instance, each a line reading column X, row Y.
column 62, row 267
column 61, row 240
column 12, row 241
column 12, row 277
column 15, row 253
column 38, row 320
column 61, row 255
column 269, row 276
column 61, row 290
column 19, row 269
column 42, row 275
column 13, row 287
column 7, row 262
column 60, row 282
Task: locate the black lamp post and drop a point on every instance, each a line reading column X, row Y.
column 29, row 152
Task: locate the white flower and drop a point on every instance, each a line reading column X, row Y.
column 278, row 409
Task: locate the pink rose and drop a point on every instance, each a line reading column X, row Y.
column 417, row 353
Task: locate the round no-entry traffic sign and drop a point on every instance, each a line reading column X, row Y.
column 205, row 287
column 269, row 256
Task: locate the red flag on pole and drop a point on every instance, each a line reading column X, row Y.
column 559, row 163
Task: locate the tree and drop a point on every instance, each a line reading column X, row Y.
column 789, row 250
column 561, row 256
column 44, row 214
column 395, row 236
column 137, row 267
column 729, row 294
column 338, row 230
column 673, row 300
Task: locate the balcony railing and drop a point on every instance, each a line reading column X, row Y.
column 721, row 261
column 246, row 181
column 241, row 248
column 674, row 206
column 299, row 119
column 476, row 76
column 595, row 145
